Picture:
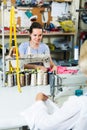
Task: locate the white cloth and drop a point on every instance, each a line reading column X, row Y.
column 47, row 116
column 81, row 123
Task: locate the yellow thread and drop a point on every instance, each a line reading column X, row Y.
column 13, row 26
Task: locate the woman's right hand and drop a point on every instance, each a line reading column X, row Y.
column 12, row 52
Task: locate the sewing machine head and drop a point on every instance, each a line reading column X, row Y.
column 42, row 58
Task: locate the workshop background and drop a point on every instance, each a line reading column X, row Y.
column 50, row 15
column 65, row 29
column 64, row 23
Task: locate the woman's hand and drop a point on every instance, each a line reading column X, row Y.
column 42, row 68
column 32, row 66
column 12, row 52
column 54, row 69
column 53, row 66
column 41, row 96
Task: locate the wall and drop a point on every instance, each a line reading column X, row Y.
column 75, row 5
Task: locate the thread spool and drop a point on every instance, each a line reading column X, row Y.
column 39, row 78
column 22, row 79
column 10, row 80
column 45, row 78
column 14, row 79
column 26, row 78
column 6, row 77
column 29, row 78
column 33, row 79
column 49, row 77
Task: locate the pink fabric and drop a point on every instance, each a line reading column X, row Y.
column 64, row 70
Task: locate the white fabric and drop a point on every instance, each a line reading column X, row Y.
column 47, row 116
column 12, row 103
column 81, row 124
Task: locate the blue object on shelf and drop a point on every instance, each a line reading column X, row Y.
column 78, row 92
column 28, row 14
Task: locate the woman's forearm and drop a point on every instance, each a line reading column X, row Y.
column 30, row 66
column 33, row 66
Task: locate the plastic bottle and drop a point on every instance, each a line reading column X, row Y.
column 76, row 53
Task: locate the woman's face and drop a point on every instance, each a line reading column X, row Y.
column 36, row 36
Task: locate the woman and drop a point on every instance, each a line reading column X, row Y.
column 35, row 46
column 46, row 115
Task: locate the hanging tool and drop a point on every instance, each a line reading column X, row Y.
column 13, row 27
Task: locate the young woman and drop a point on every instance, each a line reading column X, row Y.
column 36, row 46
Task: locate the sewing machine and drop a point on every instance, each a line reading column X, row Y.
column 43, row 58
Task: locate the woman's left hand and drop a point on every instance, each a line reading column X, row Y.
column 54, row 69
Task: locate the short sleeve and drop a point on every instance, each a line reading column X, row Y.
column 23, row 48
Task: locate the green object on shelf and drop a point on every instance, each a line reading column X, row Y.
column 51, row 46
column 28, row 14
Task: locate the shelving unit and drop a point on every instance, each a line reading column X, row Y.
column 70, row 35
column 49, row 35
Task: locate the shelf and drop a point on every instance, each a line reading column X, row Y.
column 58, row 33
column 59, row 50
column 63, row 0
column 46, row 34
column 59, row 0
column 18, row 34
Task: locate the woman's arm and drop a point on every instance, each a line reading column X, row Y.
column 33, row 66
column 53, row 66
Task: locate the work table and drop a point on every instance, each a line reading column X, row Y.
column 12, row 103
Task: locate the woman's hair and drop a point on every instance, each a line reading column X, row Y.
column 83, row 57
column 35, row 25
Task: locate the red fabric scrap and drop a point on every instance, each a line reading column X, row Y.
column 64, row 70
